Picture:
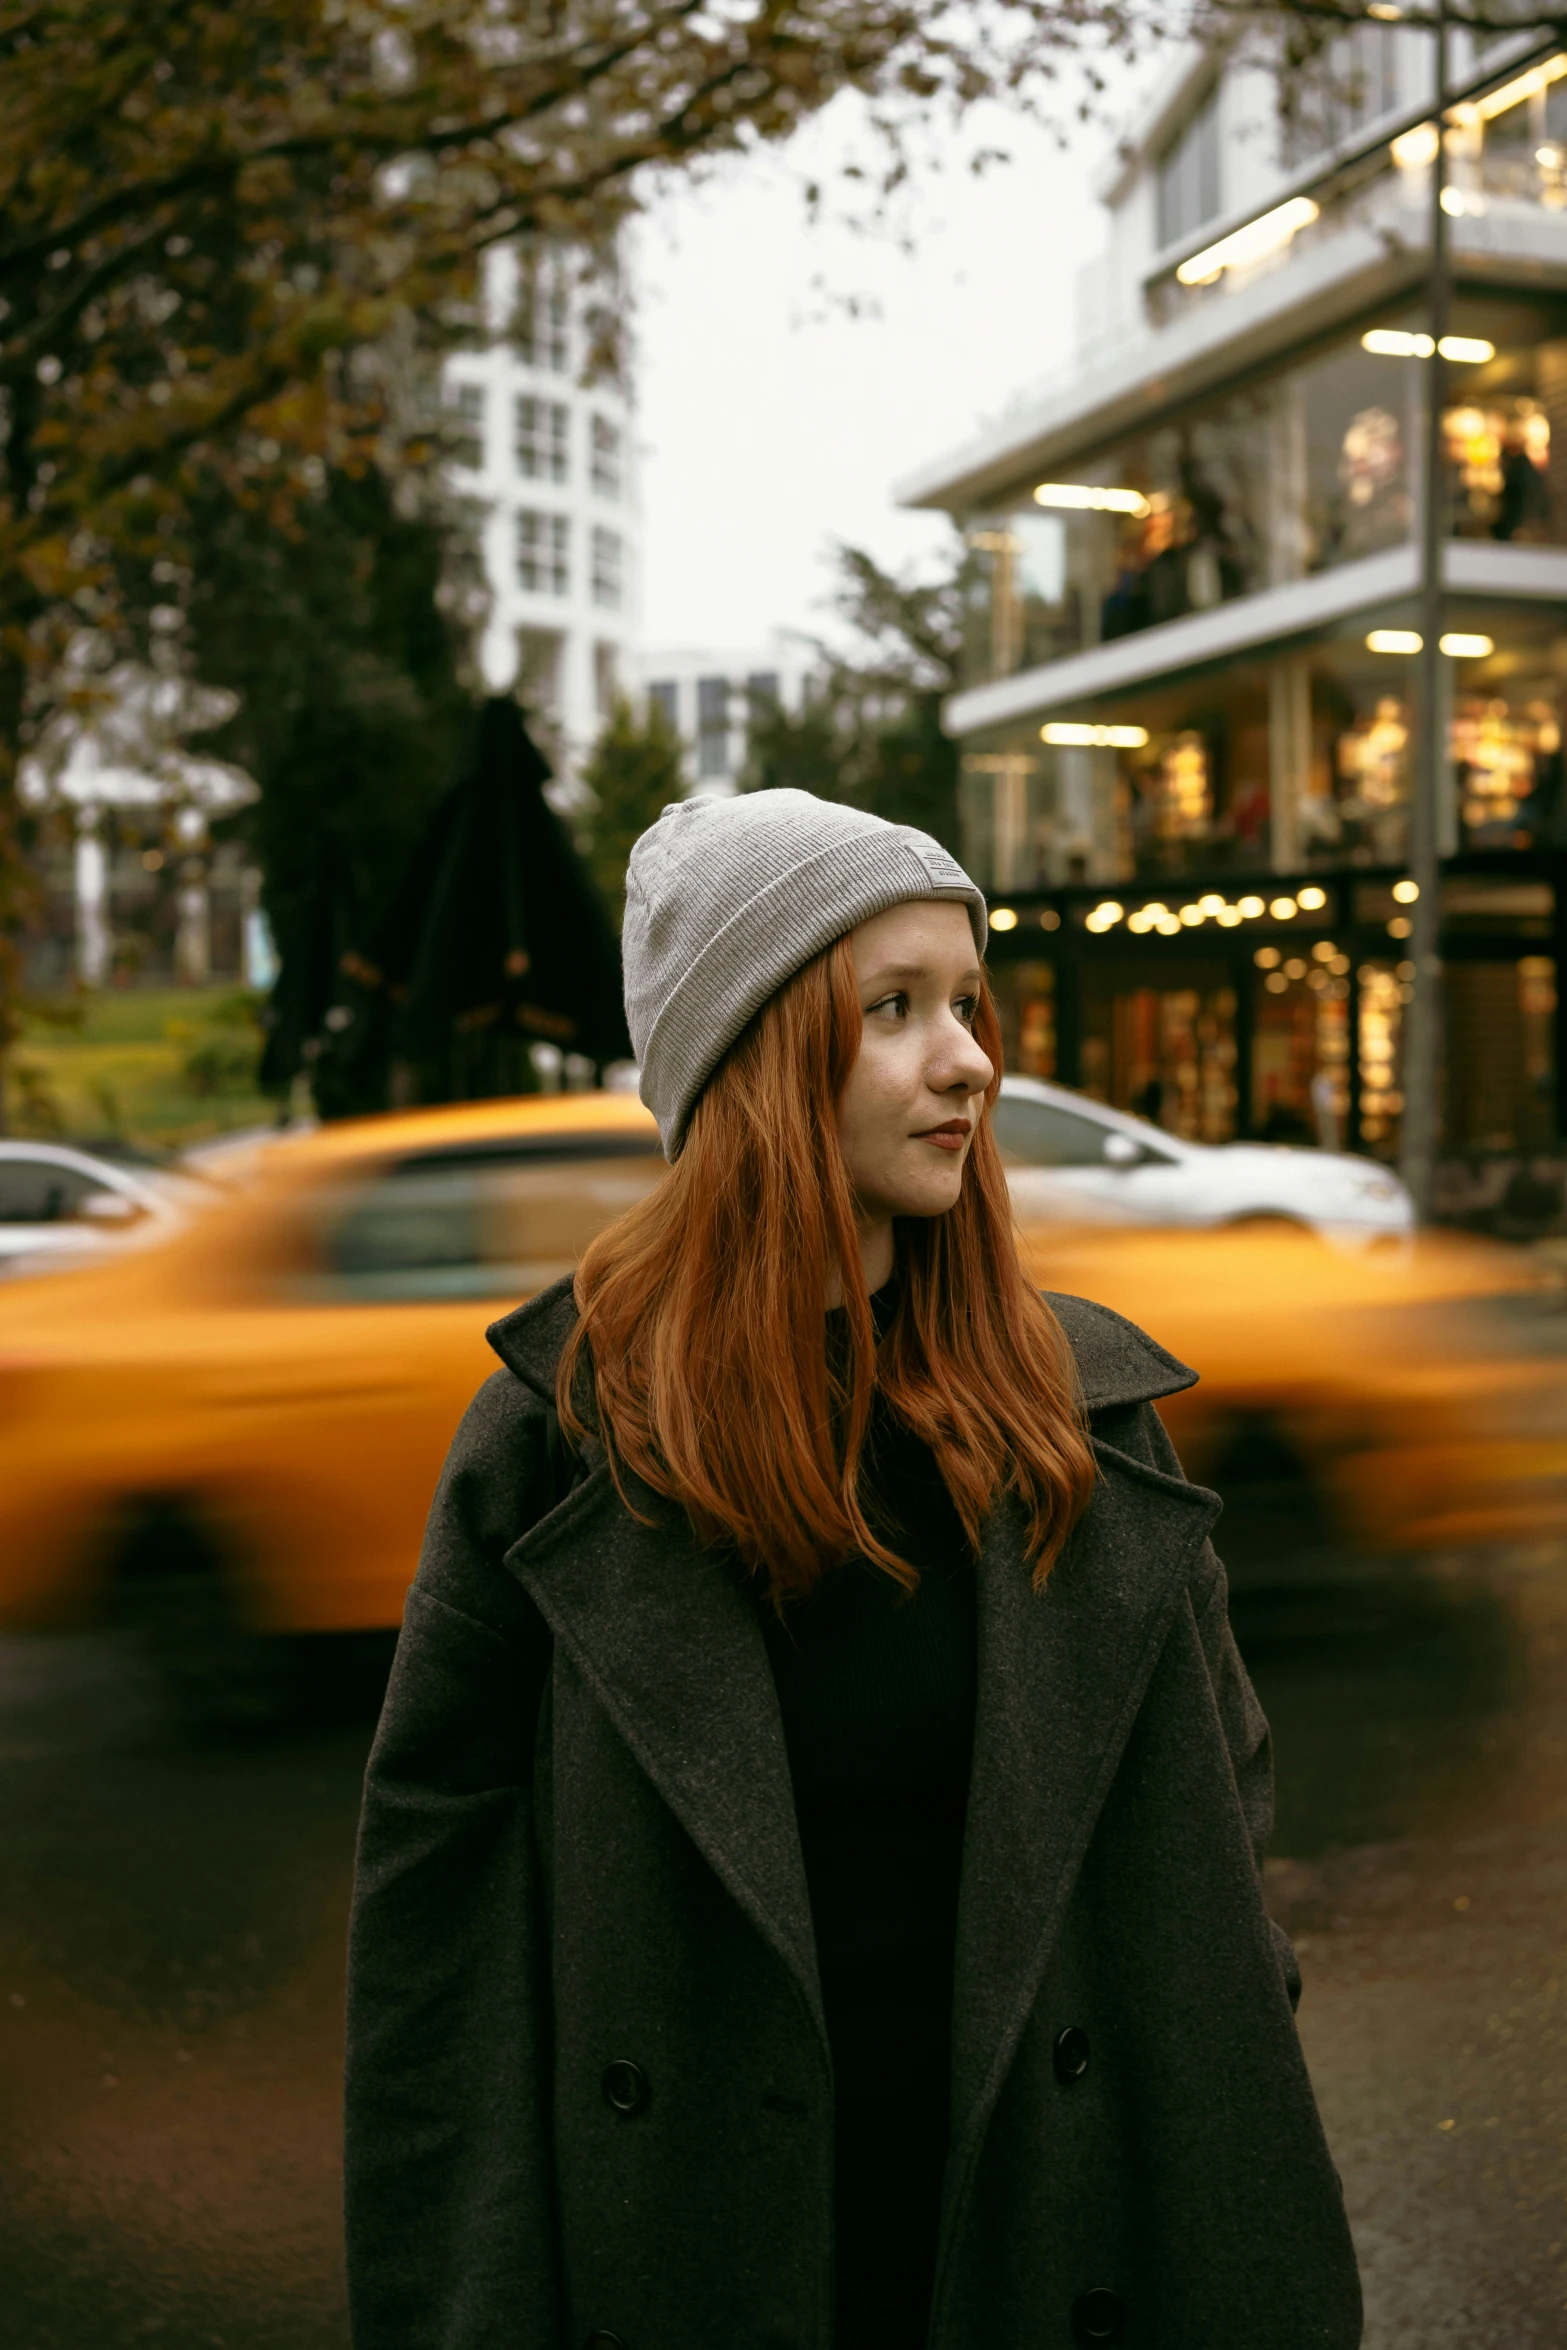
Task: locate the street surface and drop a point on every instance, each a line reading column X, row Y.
column 171, row 1930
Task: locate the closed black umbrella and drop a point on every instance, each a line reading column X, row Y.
column 495, row 940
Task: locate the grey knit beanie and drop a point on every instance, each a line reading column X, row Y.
column 727, row 899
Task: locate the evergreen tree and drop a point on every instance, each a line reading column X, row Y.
column 634, row 771
column 353, row 710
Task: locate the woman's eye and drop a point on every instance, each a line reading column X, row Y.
column 967, row 1009
column 897, row 1004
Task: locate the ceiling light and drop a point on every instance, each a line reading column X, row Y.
column 1251, row 243
column 1395, row 342
column 1394, row 640
column 1511, row 94
column 1312, row 899
column 1251, row 908
column 1392, row 342
column 1460, row 647
column 1212, row 904
column 1086, row 497
column 1283, row 909
column 1105, row 916
column 1229, row 916
column 1003, row 918
column 1384, row 11
column 1414, row 149
column 1067, row 733
column 1406, row 892
column 1191, row 916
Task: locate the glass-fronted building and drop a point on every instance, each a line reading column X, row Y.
column 1187, row 720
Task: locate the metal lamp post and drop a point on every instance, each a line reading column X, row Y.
column 1423, row 1032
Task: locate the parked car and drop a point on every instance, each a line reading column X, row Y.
column 242, row 1426
column 60, row 1202
column 1073, row 1160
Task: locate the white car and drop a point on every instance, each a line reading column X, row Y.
column 1072, row 1160
column 57, row 1204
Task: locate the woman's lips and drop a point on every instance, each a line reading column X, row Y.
column 951, row 1137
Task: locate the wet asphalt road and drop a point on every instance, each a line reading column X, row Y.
column 171, row 1932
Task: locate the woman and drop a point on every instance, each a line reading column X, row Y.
column 809, row 1882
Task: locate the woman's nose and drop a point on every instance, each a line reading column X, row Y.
column 966, row 1065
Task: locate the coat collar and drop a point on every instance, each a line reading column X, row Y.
column 671, row 1648
column 1116, row 1362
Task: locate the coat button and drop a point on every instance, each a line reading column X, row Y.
column 626, row 2088
column 1070, row 2054
column 1099, row 2316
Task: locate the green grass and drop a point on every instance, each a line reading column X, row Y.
column 157, row 1068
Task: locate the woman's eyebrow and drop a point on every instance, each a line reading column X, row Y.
column 879, row 978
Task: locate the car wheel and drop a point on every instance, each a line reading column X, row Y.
column 175, row 1587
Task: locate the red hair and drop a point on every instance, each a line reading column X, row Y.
column 703, row 1309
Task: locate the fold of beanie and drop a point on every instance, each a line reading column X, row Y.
column 727, row 899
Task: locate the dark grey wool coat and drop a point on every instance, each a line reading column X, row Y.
column 589, row 2088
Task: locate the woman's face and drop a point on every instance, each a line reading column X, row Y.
column 913, row 1099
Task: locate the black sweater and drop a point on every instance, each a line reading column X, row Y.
column 876, row 1688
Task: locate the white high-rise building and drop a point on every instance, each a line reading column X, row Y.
column 713, row 698
column 541, row 422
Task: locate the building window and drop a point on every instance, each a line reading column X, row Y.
column 543, row 438
column 542, row 553
column 1188, row 186
column 606, row 568
column 606, row 457
column 1348, row 84
column 467, row 426
column 541, row 327
column 538, row 671
column 712, row 726
column 665, row 696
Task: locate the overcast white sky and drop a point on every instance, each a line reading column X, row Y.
column 773, row 423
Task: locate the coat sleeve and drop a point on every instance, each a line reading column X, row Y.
column 448, row 2165
column 1139, row 1431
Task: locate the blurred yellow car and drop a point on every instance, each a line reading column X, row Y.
column 277, row 1385
column 1411, row 1398
column 257, row 1409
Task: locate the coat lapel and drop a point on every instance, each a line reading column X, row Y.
column 670, row 1647
column 1061, row 1676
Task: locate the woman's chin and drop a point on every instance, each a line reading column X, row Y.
column 931, row 1199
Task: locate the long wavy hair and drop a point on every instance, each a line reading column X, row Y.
column 702, row 1312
